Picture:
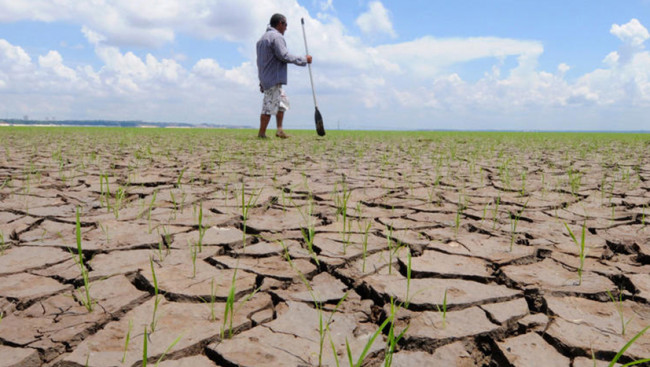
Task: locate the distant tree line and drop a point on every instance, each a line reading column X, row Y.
column 111, row 123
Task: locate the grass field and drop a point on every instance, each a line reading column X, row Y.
column 126, row 247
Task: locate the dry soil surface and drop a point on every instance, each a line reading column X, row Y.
column 210, row 248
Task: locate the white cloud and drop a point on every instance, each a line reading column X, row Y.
column 326, row 5
column 633, row 33
column 14, row 62
column 611, row 59
column 376, row 20
column 153, row 23
column 209, row 70
column 126, row 87
column 429, row 56
column 563, row 68
column 93, row 37
column 54, row 62
column 625, row 84
column 13, row 58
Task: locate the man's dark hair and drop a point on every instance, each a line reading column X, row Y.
column 276, row 19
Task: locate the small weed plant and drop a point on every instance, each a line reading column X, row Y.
column 308, row 236
column 575, row 179
column 157, row 297
column 368, row 345
column 408, row 278
column 213, row 298
column 628, row 345
column 245, row 207
column 495, row 212
column 127, row 340
column 323, row 324
column 3, row 245
column 392, row 339
column 230, row 310
column 443, row 310
column 309, row 232
column 392, row 248
column 341, row 202
column 581, row 248
column 459, row 213
column 145, row 352
column 120, row 195
column 194, row 249
column 514, row 220
column 618, row 304
column 365, row 247
column 202, row 229
column 86, row 300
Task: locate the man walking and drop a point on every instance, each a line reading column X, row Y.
column 272, row 60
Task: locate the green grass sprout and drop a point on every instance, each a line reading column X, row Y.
column 127, row 340
column 618, row 303
column 514, row 220
column 581, row 247
column 157, row 297
column 86, row 300
column 443, row 310
column 628, row 345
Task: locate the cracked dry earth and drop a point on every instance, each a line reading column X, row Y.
column 351, row 230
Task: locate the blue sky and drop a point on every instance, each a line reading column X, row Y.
column 491, row 64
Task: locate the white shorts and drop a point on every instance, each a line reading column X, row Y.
column 274, row 100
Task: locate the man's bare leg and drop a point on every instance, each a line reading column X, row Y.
column 278, row 119
column 264, row 122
